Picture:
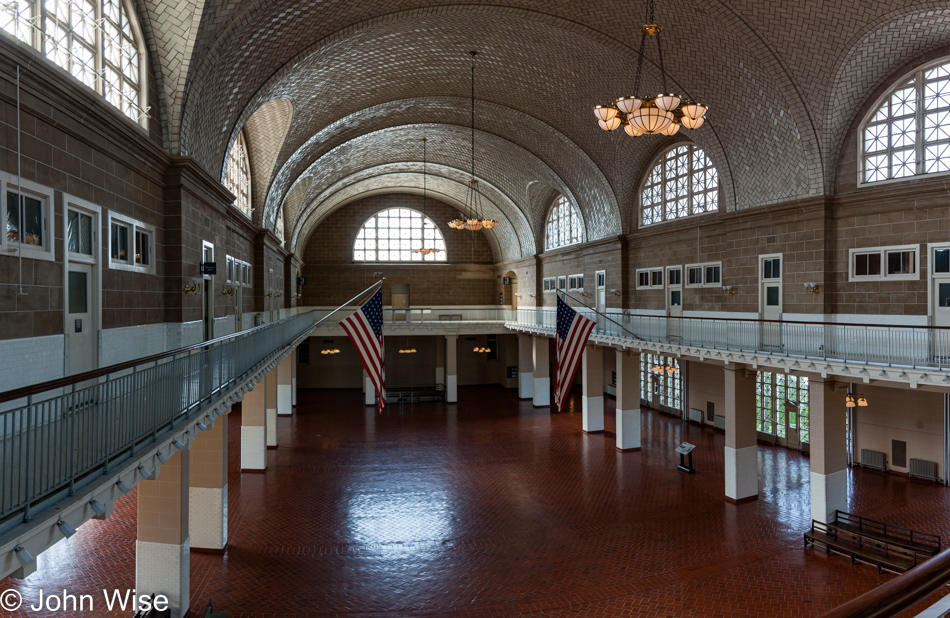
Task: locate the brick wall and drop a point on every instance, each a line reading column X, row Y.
column 606, row 255
column 466, row 278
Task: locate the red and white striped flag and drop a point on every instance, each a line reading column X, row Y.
column 573, row 330
column 365, row 330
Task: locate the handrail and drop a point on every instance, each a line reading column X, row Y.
column 898, row 594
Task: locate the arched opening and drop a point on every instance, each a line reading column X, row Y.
column 510, row 289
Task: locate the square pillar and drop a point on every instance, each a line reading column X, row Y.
column 162, row 552
column 451, row 369
column 369, row 390
column 592, row 416
column 208, row 489
column 525, row 367
column 254, row 429
column 271, row 399
column 742, row 466
column 293, row 377
column 542, row 372
column 628, row 401
column 829, row 450
column 439, row 363
column 285, row 387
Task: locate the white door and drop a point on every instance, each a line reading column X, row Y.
column 940, row 300
column 80, row 319
column 770, row 299
column 207, row 294
column 674, row 300
column 601, row 277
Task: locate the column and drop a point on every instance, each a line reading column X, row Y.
column 439, row 363
column 829, row 450
column 742, row 467
column 285, row 387
column 451, row 368
column 369, row 390
column 628, row 400
column 293, row 377
column 271, row 398
column 592, row 416
column 254, row 429
column 208, row 489
column 542, row 372
column 162, row 549
column 525, row 367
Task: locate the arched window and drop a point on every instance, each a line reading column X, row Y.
column 683, row 183
column 279, row 224
column 238, row 177
column 908, row 134
column 97, row 41
column 564, row 225
column 391, row 235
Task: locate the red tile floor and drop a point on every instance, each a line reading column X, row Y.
column 494, row 508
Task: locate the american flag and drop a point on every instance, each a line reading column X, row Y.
column 573, row 329
column 365, row 329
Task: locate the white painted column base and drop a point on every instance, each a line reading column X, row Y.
column 542, row 392
column 253, row 448
column 742, row 473
column 370, row 392
column 271, row 419
column 628, row 430
column 285, row 400
column 208, row 517
column 592, row 416
column 829, row 492
column 526, row 385
column 163, row 569
column 451, row 388
column 293, row 391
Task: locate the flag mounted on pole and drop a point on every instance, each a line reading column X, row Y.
column 365, row 329
column 573, row 330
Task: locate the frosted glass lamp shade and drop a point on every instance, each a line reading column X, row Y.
column 610, row 125
column 628, row 105
column 667, row 102
column 650, row 119
column 605, row 112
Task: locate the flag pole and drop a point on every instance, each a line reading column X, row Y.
column 347, row 303
column 634, row 335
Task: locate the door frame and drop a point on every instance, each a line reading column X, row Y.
column 601, row 290
column 762, row 280
column 207, row 293
column 934, row 278
column 95, row 297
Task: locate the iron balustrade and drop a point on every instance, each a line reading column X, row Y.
column 65, row 433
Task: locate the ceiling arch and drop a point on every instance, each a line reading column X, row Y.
column 264, row 134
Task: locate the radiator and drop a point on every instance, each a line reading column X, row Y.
column 872, row 459
column 719, row 422
column 923, row 469
column 695, row 415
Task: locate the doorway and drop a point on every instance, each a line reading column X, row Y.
column 940, row 299
column 510, row 294
column 770, row 300
column 601, row 277
column 674, row 301
column 207, row 294
column 82, row 287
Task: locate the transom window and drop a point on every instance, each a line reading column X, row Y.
column 391, row 235
column 238, row 177
column 564, row 225
column 683, row 183
column 96, row 41
column 909, row 133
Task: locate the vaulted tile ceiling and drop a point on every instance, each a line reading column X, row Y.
column 335, row 96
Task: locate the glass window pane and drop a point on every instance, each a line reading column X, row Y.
column 771, row 296
column 942, row 261
column 78, row 292
column 142, row 248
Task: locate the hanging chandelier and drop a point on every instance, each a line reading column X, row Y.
column 667, row 368
column 423, row 249
column 473, row 202
column 663, row 113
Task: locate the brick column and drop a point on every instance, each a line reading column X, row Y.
column 592, row 417
column 254, row 429
column 525, row 367
column 542, row 372
column 293, row 377
column 162, row 550
column 829, row 450
column 628, row 401
column 742, row 467
column 369, row 390
column 208, row 489
column 451, row 369
column 284, row 386
column 439, row 363
column 271, row 398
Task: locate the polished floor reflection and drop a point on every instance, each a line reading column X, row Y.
column 494, row 508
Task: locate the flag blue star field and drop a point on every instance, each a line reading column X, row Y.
column 365, row 329
column 573, row 329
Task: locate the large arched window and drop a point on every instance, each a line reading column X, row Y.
column 908, row 133
column 564, row 225
column 683, row 183
column 237, row 180
column 97, row 41
column 279, row 224
column 391, row 235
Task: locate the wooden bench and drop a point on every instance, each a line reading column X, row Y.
column 882, row 555
column 923, row 544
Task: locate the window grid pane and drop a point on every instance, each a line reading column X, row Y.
column 391, row 235
column 238, row 176
column 564, row 225
column 683, row 183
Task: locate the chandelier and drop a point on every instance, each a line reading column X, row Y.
column 664, row 368
column 330, row 351
column 481, row 350
column 473, row 202
column 663, row 113
column 423, row 250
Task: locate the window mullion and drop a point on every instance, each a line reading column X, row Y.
column 919, row 132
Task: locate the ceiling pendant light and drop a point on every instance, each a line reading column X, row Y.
column 423, row 250
column 473, row 202
column 664, row 113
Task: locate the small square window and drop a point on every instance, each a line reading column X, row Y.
column 656, row 278
column 900, row 262
column 694, row 275
column 143, row 248
column 643, row 279
column 867, row 264
column 562, row 283
column 31, row 232
column 79, row 232
column 120, row 242
column 674, row 276
column 713, row 275
column 942, row 261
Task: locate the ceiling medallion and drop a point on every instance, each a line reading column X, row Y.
column 663, row 113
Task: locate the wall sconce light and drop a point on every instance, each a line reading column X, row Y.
column 615, row 292
column 297, row 296
column 583, row 293
column 227, row 291
column 193, row 288
column 25, row 557
column 97, row 507
column 65, row 528
column 278, row 294
column 850, row 402
column 729, row 290
column 531, row 295
column 812, row 288
column 268, row 293
column 517, row 295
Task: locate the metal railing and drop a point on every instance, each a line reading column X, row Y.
column 63, row 433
